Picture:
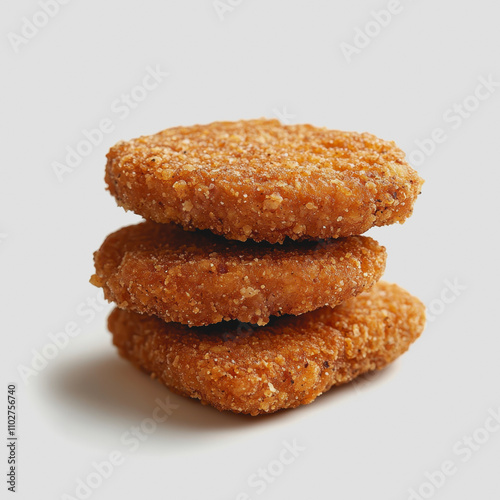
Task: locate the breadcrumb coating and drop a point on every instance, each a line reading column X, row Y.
column 262, row 180
column 198, row 278
column 287, row 363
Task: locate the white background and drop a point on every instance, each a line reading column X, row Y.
column 374, row 439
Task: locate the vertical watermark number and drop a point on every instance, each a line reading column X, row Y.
column 11, row 438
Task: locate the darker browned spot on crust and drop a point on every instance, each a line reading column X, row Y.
column 287, row 363
column 262, row 180
column 198, row 278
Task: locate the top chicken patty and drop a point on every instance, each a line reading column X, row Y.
column 262, row 180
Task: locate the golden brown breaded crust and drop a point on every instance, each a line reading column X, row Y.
column 262, row 180
column 287, row 363
column 198, row 278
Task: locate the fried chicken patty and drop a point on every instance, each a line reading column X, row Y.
column 287, row 363
column 198, row 278
column 261, row 180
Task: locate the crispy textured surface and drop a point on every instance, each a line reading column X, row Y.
column 198, row 278
column 285, row 364
column 262, row 180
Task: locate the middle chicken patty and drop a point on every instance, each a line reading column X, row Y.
column 198, row 278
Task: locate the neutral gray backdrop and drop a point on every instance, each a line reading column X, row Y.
column 427, row 75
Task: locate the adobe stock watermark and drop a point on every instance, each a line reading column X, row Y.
column 85, row 312
column 121, row 108
column 32, row 25
column 364, row 35
column 130, row 442
column 283, row 115
column 264, row 476
column 453, row 118
column 463, row 450
column 364, row 381
column 242, row 331
column 223, row 7
column 449, row 293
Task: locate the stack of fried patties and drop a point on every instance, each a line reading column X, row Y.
column 248, row 287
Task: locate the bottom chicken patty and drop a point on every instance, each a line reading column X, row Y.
column 289, row 362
